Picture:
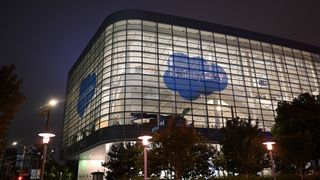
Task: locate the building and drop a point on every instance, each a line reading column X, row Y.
column 24, row 158
column 140, row 66
column 7, row 163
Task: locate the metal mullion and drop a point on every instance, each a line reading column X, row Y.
column 103, row 43
column 174, row 79
column 287, row 72
column 158, row 65
column 265, row 67
column 204, row 84
column 277, row 72
column 256, row 81
column 243, row 76
column 125, row 83
column 111, row 67
column 191, row 103
column 125, row 78
column 229, row 63
column 216, row 61
column 295, row 64
column 142, row 84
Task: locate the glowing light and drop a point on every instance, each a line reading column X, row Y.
column 145, row 139
column 46, row 137
column 53, row 102
column 269, row 145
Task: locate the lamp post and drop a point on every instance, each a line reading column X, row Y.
column 145, row 143
column 15, row 143
column 269, row 145
column 46, row 135
column 45, row 140
column 45, row 111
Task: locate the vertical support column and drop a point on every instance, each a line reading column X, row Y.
column 272, row 165
column 145, row 162
column 44, row 154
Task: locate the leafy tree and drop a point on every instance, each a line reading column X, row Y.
column 242, row 147
column 124, row 161
column 296, row 132
column 53, row 171
column 220, row 162
column 10, row 98
column 203, row 166
column 156, row 162
column 72, row 166
column 180, row 148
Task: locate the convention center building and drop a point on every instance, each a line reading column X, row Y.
column 141, row 66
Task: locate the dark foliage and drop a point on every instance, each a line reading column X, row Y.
column 180, row 148
column 54, row 170
column 124, row 161
column 297, row 134
column 10, row 98
column 242, row 147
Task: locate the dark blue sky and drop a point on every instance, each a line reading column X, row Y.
column 44, row 38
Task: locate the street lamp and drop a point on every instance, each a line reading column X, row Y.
column 269, row 145
column 45, row 140
column 45, row 111
column 145, row 143
column 53, row 102
column 15, row 143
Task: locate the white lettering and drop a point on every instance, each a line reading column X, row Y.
column 196, row 75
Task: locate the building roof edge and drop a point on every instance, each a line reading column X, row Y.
column 192, row 23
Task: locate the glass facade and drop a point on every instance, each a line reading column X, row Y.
column 138, row 66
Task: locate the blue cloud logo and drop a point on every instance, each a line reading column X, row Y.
column 191, row 77
column 86, row 92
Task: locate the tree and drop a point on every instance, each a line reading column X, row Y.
column 242, row 147
column 180, row 148
column 10, row 98
column 53, row 171
column 220, row 162
column 296, row 131
column 124, row 161
column 203, row 158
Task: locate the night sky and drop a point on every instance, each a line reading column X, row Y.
column 44, row 38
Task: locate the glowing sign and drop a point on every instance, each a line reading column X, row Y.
column 191, row 77
column 262, row 81
column 86, row 93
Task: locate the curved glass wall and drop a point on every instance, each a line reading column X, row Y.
column 138, row 66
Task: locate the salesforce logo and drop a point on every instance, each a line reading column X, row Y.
column 192, row 76
column 86, row 92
